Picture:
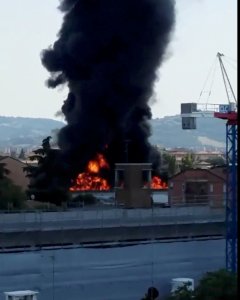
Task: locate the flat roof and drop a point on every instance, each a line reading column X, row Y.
column 21, row 293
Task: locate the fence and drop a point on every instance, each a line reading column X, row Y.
column 213, row 201
column 103, row 217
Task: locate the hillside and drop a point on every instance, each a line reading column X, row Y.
column 25, row 132
column 167, row 132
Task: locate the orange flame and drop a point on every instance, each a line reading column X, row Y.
column 91, row 180
column 158, row 184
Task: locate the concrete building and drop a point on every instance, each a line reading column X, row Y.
column 15, row 167
column 133, row 185
column 198, row 187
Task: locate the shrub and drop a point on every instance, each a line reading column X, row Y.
column 218, row 285
column 11, row 196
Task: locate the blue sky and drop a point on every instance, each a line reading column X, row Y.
column 203, row 27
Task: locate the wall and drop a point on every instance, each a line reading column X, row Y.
column 17, row 175
column 216, row 195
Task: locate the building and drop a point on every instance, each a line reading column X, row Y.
column 180, row 153
column 198, row 187
column 16, row 175
column 133, row 185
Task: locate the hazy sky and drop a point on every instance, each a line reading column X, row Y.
column 203, row 27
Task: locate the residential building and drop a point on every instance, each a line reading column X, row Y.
column 15, row 167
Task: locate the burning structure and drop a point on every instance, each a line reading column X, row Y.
column 107, row 53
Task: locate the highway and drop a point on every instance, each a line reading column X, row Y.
column 121, row 273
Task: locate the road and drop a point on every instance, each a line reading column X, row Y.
column 107, row 274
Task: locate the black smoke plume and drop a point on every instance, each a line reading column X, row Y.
column 108, row 53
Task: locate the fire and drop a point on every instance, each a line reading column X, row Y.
column 158, row 184
column 91, row 179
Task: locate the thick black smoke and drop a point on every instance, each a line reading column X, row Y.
column 108, row 52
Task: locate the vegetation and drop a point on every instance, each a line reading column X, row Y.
column 189, row 161
column 219, row 285
column 170, row 162
column 217, row 161
column 11, row 196
column 45, row 180
column 182, row 293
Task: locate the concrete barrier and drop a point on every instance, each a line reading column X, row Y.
column 40, row 238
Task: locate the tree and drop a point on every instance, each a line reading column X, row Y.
column 46, row 182
column 11, row 195
column 170, row 162
column 218, row 285
column 188, row 161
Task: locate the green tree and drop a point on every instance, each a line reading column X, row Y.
column 170, row 162
column 218, row 285
column 45, row 180
column 11, row 196
column 188, row 161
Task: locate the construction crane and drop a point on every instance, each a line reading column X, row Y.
column 227, row 112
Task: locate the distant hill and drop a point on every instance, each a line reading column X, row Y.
column 25, row 132
column 167, row 132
